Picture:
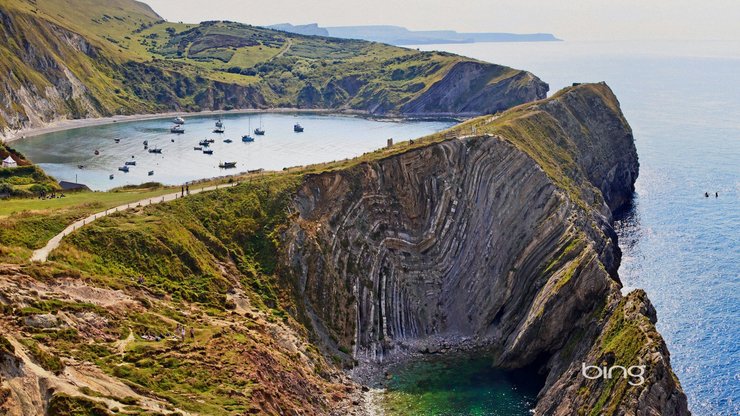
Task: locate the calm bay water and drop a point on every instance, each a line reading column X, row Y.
column 682, row 100
column 326, row 138
column 458, row 385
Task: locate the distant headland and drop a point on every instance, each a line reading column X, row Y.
column 397, row 35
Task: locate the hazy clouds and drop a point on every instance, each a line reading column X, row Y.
column 573, row 20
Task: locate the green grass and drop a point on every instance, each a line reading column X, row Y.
column 89, row 202
column 65, row 405
column 48, row 361
column 176, row 246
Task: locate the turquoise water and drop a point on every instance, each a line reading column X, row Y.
column 325, row 138
column 458, row 385
column 683, row 102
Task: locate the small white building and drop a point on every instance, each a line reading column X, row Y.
column 9, row 163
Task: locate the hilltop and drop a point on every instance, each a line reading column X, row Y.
column 81, row 59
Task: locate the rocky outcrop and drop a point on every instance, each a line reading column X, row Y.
column 474, row 88
column 503, row 237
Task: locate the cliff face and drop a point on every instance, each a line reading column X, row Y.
column 504, row 237
column 475, row 88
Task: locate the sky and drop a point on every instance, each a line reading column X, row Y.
column 567, row 19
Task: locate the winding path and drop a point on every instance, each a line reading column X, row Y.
column 42, row 254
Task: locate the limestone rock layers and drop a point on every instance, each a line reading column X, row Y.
column 504, row 238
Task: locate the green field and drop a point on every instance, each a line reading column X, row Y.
column 87, row 201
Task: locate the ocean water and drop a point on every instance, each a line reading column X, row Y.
column 683, row 102
column 325, row 138
column 457, row 385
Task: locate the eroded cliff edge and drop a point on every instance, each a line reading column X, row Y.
column 501, row 234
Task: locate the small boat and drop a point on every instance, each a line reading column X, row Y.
column 228, row 141
column 172, row 140
column 211, row 140
column 227, row 165
column 123, row 169
column 130, row 163
column 80, row 166
column 204, row 143
column 111, row 176
column 117, row 140
column 197, row 148
column 179, row 120
column 247, row 138
column 219, row 127
column 151, row 173
column 146, row 142
column 155, row 150
column 146, row 147
column 97, row 152
column 297, row 128
column 259, row 131
column 177, row 129
column 208, row 152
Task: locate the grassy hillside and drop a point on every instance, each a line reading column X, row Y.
column 84, row 58
column 25, row 180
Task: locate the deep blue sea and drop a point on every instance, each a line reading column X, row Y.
column 683, row 102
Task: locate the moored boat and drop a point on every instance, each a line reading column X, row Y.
column 130, row 162
column 208, row 151
column 247, row 138
column 228, row 141
column 197, row 148
column 227, row 165
column 259, row 131
column 111, row 176
column 155, row 150
column 177, row 129
column 298, row 128
column 123, row 168
column 151, row 173
column 219, row 127
column 179, row 120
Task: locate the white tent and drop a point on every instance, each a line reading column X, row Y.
column 9, row 163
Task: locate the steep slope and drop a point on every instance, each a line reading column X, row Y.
column 495, row 235
column 79, row 58
column 504, row 238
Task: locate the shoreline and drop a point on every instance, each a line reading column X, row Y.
column 71, row 124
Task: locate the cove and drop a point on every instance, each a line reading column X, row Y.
column 457, row 384
column 326, row 137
